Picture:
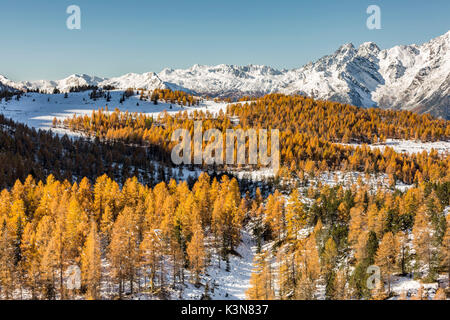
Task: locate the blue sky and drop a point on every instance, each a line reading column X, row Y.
column 117, row 37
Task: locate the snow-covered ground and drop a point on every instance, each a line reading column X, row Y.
column 375, row 181
column 222, row 284
column 255, row 175
column 38, row 110
column 228, row 285
column 412, row 146
column 410, row 287
column 447, row 211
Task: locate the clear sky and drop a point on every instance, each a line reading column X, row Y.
column 118, row 37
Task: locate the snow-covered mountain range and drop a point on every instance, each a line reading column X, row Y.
column 412, row 77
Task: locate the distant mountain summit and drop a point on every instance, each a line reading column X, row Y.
column 412, row 77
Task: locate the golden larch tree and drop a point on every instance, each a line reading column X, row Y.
column 91, row 263
column 385, row 257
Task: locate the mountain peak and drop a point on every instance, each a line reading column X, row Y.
column 369, row 46
column 345, row 48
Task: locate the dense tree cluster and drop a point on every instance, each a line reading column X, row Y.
column 138, row 238
column 337, row 122
column 25, row 151
column 305, row 146
column 8, row 95
column 130, row 238
column 169, row 96
column 350, row 230
column 179, row 97
column 83, row 88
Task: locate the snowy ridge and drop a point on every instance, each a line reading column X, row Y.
column 47, row 86
column 412, row 77
column 6, row 84
column 147, row 81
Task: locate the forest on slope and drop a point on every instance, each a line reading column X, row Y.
column 314, row 135
column 108, row 204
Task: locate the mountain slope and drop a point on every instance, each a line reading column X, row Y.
column 412, row 77
column 147, row 81
column 417, row 77
column 6, row 84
